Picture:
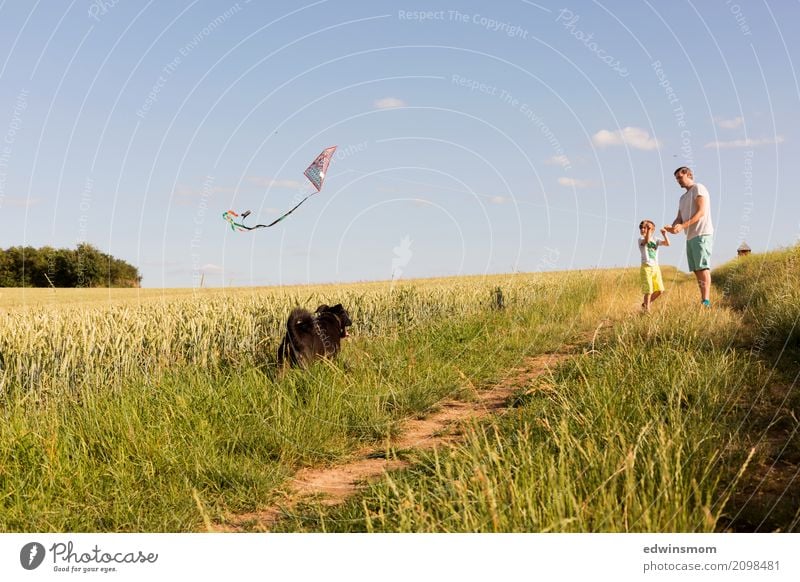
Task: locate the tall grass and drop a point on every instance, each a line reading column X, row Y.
column 640, row 434
column 157, row 415
column 767, row 288
column 154, row 417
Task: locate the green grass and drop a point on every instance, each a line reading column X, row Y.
column 167, row 452
column 628, row 438
column 169, row 415
column 665, row 425
column 766, row 287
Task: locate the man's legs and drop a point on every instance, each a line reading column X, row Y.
column 698, row 252
column 704, row 282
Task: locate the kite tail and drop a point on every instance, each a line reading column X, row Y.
column 230, row 215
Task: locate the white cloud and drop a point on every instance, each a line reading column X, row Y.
column 744, row 143
column 575, row 183
column 421, row 202
column 388, row 103
column 18, row 201
column 635, row 137
column 730, row 123
column 498, row 199
column 211, row 268
column 561, row 160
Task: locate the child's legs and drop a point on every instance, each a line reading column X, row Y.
column 646, row 278
column 658, row 284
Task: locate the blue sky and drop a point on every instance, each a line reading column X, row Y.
column 473, row 137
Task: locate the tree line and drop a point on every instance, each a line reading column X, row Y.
column 84, row 266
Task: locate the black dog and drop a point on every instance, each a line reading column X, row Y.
column 313, row 336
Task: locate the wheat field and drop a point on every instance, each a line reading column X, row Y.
column 150, row 410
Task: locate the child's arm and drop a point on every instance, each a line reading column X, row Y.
column 665, row 242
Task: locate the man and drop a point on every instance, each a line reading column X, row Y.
column 694, row 216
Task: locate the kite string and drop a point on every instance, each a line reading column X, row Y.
column 277, row 220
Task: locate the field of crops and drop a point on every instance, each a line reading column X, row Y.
column 67, row 341
column 147, row 413
column 138, row 410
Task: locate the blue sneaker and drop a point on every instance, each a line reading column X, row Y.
column 706, row 303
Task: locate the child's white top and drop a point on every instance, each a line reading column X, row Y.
column 649, row 252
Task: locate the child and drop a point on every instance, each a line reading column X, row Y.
column 652, row 285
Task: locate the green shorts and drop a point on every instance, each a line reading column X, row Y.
column 698, row 252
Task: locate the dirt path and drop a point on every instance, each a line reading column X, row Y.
column 336, row 484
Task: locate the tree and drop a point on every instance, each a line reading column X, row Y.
column 86, row 266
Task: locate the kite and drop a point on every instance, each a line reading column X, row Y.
column 316, row 171
column 315, row 174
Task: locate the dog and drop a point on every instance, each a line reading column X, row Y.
column 313, row 336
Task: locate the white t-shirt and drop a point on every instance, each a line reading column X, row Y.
column 687, row 208
column 649, row 251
